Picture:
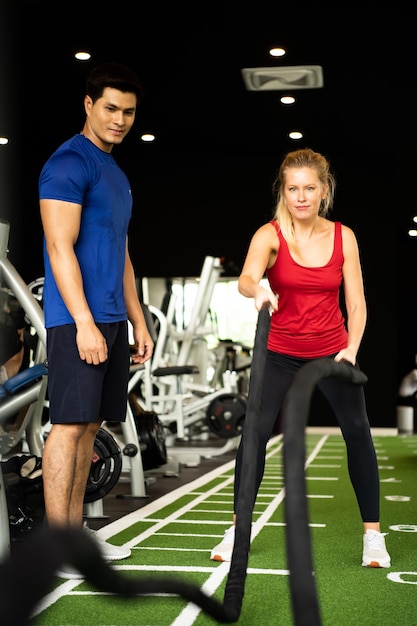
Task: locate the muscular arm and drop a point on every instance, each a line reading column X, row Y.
column 61, row 224
column 354, row 296
column 261, row 254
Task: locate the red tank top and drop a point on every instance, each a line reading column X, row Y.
column 309, row 322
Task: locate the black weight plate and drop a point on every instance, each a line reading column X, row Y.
column 226, row 414
column 151, row 433
column 106, row 466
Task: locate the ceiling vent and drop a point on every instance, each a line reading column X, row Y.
column 283, row 78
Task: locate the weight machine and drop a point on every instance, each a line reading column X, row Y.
column 22, row 395
column 177, row 390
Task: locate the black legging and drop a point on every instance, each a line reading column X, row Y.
column 348, row 404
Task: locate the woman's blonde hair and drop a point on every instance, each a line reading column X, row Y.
column 304, row 157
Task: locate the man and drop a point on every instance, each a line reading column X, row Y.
column 89, row 292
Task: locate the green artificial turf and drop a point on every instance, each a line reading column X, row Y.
column 176, row 541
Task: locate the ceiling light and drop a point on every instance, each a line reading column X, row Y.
column 3, row 141
column 82, row 55
column 412, row 233
column 283, row 78
column 295, row 134
column 287, row 99
column 147, row 137
column 277, row 52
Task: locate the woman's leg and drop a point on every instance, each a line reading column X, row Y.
column 278, row 375
column 348, row 404
column 277, row 378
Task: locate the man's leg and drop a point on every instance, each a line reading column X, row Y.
column 66, row 462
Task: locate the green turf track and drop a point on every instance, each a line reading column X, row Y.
column 174, row 535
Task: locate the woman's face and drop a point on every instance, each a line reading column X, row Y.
column 303, row 192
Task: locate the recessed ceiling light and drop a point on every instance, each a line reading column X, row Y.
column 3, row 141
column 277, row 52
column 287, row 99
column 412, row 233
column 295, row 134
column 82, row 55
column 148, row 137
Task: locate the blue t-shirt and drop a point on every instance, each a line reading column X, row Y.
column 80, row 172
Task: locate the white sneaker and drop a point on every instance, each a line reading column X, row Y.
column 108, row 551
column 223, row 551
column 374, row 551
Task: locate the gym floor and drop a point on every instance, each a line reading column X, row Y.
column 160, row 481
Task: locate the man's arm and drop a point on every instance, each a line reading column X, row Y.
column 61, row 225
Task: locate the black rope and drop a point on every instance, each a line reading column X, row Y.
column 27, row 575
column 235, row 584
column 296, row 408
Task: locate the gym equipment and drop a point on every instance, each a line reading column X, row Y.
column 106, row 466
column 226, row 414
column 180, row 393
column 408, row 385
column 22, row 475
column 35, row 432
column 23, row 401
column 16, row 392
column 151, row 435
column 232, row 356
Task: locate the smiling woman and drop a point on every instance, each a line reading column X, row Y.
column 310, row 263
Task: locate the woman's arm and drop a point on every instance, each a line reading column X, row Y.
column 354, row 296
column 262, row 253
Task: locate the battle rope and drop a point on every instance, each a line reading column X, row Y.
column 235, row 584
column 27, row 575
column 295, row 414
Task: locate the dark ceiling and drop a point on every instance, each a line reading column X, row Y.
column 205, row 184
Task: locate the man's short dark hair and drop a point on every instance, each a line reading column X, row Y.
column 116, row 76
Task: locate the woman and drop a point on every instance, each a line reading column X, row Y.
column 306, row 258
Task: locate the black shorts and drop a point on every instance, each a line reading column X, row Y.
column 80, row 392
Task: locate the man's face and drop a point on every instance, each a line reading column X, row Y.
column 110, row 118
